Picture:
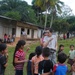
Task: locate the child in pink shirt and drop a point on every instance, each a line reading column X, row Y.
column 36, row 59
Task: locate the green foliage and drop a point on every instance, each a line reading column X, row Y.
column 61, row 26
column 13, row 14
column 32, row 17
column 10, row 69
column 71, row 21
column 51, row 6
column 17, row 9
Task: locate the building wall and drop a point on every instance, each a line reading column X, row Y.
column 29, row 34
column 6, row 27
column 18, row 31
column 39, row 33
column 1, row 31
column 35, row 34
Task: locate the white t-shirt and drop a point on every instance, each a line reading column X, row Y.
column 52, row 43
column 72, row 54
column 23, row 33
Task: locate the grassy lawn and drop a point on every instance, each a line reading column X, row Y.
column 10, row 68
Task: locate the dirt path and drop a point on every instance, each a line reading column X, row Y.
column 27, row 43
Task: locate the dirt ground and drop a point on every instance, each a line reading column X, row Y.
column 14, row 43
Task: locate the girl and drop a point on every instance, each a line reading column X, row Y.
column 61, row 48
column 19, row 57
column 36, row 59
column 29, row 72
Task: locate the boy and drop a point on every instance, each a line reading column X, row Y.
column 3, row 59
column 60, row 68
column 45, row 66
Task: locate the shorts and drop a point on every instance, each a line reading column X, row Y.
column 70, row 61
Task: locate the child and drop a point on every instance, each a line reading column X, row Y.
column 19, row 57
column 61, row 48
column 73, row 69
column 36, row 59
column 5, row 38
column 71, row 55
column 60, row 68
column 3, row 59
column 45, row 66
column 29, row 72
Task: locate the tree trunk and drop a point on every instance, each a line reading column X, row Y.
column 45, row 19
column 40, row 18
column 51, row 21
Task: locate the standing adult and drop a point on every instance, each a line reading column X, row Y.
column 67, row 35
column 50, row 41
column 24, row 35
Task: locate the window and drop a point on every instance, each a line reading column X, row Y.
column 28, row 31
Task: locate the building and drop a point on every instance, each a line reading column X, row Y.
column 10, row 27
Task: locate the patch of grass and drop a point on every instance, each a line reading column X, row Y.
column 10, row 68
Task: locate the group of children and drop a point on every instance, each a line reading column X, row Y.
column 38, row 62
column 71, row 57
column 9, row 38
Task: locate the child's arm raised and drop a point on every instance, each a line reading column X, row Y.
column 27, row 49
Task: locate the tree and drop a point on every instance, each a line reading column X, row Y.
column 71, row 21
column 11, row 7
column 13, row 14
column 55, row 9
column 61, row 26
column 48, row 6
column 66, row 12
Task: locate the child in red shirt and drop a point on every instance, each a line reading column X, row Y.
column 19, row 57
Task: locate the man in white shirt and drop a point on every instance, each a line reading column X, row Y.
column 50, row 41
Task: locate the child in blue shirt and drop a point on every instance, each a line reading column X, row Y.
column 60, row 68
column 29, row 72
column 3, row 58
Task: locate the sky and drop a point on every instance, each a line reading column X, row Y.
column 70, row 3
